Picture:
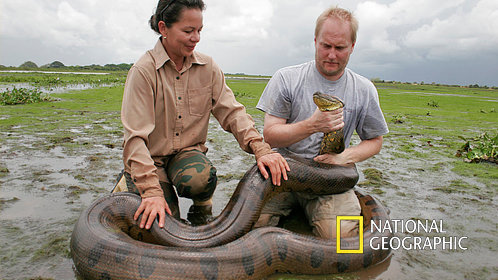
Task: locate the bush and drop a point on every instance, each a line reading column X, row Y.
column 22, row 96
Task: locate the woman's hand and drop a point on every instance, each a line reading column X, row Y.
column 278, row 167
column 151, row 207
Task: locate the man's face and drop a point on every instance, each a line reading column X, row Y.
column 333, row 46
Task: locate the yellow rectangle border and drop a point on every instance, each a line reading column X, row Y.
column 338, row 234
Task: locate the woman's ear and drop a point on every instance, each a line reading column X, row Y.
column 163, row 29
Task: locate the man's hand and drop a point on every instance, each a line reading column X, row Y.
column 366, row 149
column 339, row 159
column 326, row 121
column 151, row 207
column 278, row 167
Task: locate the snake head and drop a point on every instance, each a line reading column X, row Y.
column 327, row 102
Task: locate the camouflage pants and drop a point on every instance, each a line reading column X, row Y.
column 192, row 175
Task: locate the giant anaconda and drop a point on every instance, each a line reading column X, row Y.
column 108, row 244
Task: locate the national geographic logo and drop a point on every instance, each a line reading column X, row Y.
column 338, row 235
column 437, row 238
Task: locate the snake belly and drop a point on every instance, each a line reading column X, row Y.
column 108, row 244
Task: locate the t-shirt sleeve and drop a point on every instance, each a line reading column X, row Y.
column 275, row 99
column 372, row 123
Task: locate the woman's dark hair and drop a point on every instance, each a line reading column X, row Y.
column 169, row 11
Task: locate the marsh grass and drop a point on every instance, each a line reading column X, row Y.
column 37, row 79
column 248, row 92
column 460, row 113
column 82, row 128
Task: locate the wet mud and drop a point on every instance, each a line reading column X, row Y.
column 48, row 178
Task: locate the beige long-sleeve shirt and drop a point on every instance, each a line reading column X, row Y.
column 166, row 111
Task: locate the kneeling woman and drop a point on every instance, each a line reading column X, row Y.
column 169, row 95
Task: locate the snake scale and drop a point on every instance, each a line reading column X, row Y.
column 108, row 244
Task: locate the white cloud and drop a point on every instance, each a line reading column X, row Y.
column 382, row 26
column 426, row 40
column 71, row 27
column 90, row 30
column 461, row 33
column 374, row 22
column 260, row 36
column 237, row 21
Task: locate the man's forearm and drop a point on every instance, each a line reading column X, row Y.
column 364, row 150
column 284, row 135
column 354, row 154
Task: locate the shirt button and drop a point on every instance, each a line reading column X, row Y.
column 177, row 134
column 179, row 98
column 178, row 78
column 179, row 117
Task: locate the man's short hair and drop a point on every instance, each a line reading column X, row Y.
column 341, row 14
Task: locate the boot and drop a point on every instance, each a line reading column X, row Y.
column 200, row 214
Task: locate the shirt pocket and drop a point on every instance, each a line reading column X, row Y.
column 199, row 101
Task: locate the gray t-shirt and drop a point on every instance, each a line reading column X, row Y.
column 289, row 95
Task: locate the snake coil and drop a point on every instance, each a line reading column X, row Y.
column 108, row 244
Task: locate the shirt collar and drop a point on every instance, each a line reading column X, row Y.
column 161, row 57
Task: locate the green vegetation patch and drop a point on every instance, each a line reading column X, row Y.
column 56, row 79
column 425, row 121
column 248, row 92
column 57, row 245
column 480, row 148
column 3, row 170
column 376, row 179
column 17, row 96
column 457, row 186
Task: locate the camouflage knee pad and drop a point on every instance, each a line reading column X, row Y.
column 193, row 175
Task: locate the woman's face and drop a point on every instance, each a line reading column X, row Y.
column 181, row 38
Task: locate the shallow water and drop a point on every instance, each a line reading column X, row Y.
column 47, row 186
column 50, row 89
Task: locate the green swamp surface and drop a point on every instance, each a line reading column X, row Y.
column 58, row 157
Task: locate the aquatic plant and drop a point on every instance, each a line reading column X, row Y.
column 480, row 148
column 23, row 96
column 58, row 79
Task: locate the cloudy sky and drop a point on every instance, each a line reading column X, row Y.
column 443, row 41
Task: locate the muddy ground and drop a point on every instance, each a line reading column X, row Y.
column 46, row 180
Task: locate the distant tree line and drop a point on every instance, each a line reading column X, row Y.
column 379, row 81
column 30, row 65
